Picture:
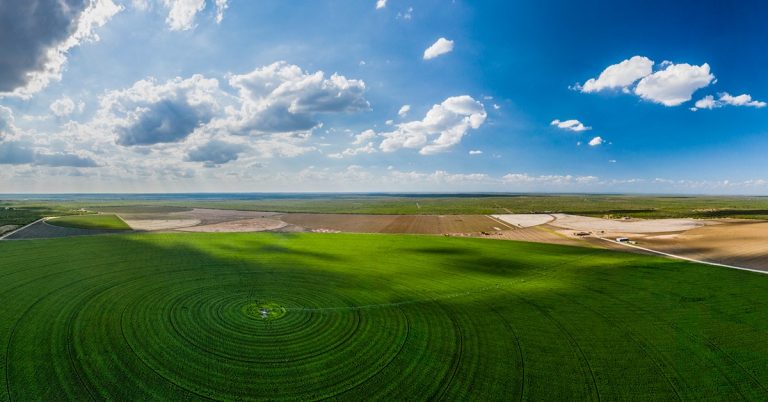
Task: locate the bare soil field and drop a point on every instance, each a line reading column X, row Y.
column 537, row 234
column 743, row 244
column 585, row 223
column 200, row 215
column 151, row 225
column 415, row 224
column 525, row 220
column 245, row 225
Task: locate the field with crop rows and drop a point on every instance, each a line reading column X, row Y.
column 311, row 316
column 93, row 222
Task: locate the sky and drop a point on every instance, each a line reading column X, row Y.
column 383, row 96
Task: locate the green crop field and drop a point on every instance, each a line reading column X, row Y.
column 359, row 317
column 94, row 222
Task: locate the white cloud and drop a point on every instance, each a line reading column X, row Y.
column 38, row 35
column 439, row 48
column 286, row 145
column 707, row 102
column 726, row 99
column 619, row 76
column 221, row 6
column 66, row 106
column 524, row 178
column 475, row 152
column 142, row 5
column 740, row 100
column 675, row 84
column 364, row 145
column 282, row 98
column 596, row 141
column 150, row 113
column 366, row 149
column 571, row 125
column 404, row 110
column 363, row 137
column 450, row 121
column 381, row 4
column 182, row 13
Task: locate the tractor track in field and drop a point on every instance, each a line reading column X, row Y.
column 642, row 345
column 439, row 395
column 70, row 345
column 519, row 351
column 571, row 340
column 30, row 307
column 394, row 356
column 125, row 339
column 12, row 334
column 712, row 345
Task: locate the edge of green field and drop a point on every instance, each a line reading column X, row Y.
column 92, row 222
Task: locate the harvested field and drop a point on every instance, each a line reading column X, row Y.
column 733, row 243
column 525, row 220
column 585, row 223
column 203, row 216
column 537, row 234
column 245, row 225
column 161, row 224
column 414, row 224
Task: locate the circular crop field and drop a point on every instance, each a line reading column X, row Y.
column 300, row 317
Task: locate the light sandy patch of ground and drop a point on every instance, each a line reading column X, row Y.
column 525, row 220
column 204, row 216
column 244, row 225
column 536, row 234
column 734, row 243
column 585, row 223
column 8, row 228
column 160, row 224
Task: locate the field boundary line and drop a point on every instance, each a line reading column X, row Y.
column 122, row 220
column 499, row 221
column 680, row 257
column 20, row 229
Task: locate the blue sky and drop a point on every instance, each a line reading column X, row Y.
column 239, row 95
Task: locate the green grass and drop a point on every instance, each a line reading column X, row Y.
column 360, row 317
column 640, row 206
column 93, row 222
column 23, row 213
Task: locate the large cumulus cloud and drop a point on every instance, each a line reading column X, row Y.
column 36, row 35
column 448, row 122
column 281, row 98
column 151, row 113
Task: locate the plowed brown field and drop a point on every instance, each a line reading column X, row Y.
column 416, row 224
